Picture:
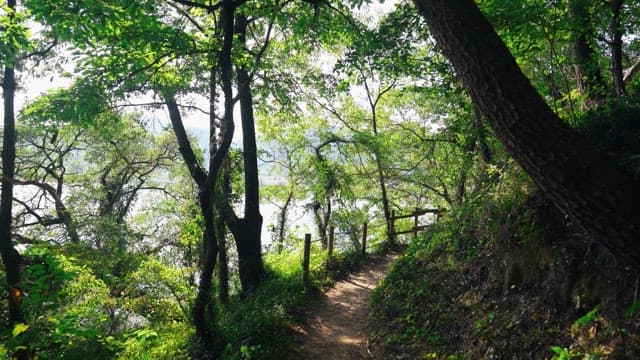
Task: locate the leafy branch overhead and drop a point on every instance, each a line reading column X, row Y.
column 162, row 162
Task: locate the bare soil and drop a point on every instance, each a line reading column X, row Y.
column 336, row 326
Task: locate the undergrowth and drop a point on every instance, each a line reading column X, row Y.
column 260, row 327
column 506, row 276
column 147, row 324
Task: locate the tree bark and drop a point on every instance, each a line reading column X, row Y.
column 10, row 256
column 585, row 184
column 203, row 309
column 247, row 232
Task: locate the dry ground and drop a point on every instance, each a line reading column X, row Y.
column 337, row 320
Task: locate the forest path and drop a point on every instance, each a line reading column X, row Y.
column 336, row 327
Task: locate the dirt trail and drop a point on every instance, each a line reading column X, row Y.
column 336, row 325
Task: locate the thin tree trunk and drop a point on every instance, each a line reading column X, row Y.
column 588, row 75
column 207, row 183
column 322, row 218
column 223, row 274
column 386, row 208
column 248, row 232
column 468, row 149
column 282, row 222
column 615, row 29
column 484, row 151
column 203, row 309
column 223, row 263
column 10, row 257
column 632, row 71
column 585, row 184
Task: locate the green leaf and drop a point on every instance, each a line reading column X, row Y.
column 19, row 328
column 587, row 318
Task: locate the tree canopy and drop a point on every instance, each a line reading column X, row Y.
column 136, row 203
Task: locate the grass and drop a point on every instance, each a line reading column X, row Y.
column 260, row 327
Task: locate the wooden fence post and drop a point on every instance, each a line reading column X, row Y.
column 364, row 240
column 332, row 231
column 305, row 260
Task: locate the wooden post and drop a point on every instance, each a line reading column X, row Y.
column 332, row 231
column 364, row 240
column 305, row 259
column 415, row 222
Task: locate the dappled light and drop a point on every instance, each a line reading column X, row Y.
column 335, row 179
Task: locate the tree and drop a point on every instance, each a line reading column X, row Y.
column 43, row 164
column 615, row 33
column 13, row 37
column 579, row 180
column 247, row 231
column 588, row 75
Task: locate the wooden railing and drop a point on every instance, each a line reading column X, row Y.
column 415, row 215
column 436, row 213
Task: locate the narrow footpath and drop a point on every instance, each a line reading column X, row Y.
column 336, row 326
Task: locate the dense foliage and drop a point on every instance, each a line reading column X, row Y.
column 137, row 221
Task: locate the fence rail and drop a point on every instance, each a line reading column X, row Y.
column 437, row 213
column 415, row 215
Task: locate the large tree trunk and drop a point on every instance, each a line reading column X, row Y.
column 10, row 257
column 585, row 184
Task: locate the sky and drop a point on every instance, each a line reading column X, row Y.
column 31, row 86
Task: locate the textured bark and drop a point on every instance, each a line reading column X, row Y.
column 10, row 257
column 582, row 182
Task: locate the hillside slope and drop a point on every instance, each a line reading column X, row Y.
column 507, row 276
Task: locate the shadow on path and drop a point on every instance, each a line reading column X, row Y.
column 336, row 326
